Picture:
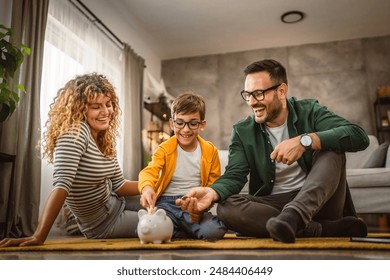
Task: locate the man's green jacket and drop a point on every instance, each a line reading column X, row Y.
column 250, row 147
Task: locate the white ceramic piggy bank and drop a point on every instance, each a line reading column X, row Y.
column 154, row 227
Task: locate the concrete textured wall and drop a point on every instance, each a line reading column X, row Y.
column 342, row 75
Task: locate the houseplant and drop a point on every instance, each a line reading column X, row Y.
column 11, row 57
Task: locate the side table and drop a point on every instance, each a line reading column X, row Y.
column 5, row 226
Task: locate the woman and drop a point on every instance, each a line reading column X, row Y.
column 80, row 140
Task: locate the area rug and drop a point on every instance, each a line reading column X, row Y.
column 230, row 242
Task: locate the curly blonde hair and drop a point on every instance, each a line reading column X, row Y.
column 69, row 108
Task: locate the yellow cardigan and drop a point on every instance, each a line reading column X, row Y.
column 160, row 170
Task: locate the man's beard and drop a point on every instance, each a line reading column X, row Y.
column 273, row 110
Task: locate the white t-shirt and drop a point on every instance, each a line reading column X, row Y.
column 287, row 177
column 187, row 172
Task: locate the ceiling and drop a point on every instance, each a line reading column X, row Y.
column 183, row 28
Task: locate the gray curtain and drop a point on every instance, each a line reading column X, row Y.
column 20, row 134
column 133, row 69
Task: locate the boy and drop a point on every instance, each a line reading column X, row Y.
column 182, row 162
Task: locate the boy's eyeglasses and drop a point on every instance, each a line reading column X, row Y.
column 257, row 94
column 191, row 124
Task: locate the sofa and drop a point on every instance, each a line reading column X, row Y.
column 368, row 177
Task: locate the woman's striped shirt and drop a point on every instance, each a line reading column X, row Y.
column 88, row 177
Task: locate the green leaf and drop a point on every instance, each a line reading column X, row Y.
column 20, row 87
column 3, row 84
column 8, row 31
column 10, row 64
column 26, row 49
column 12, row 106
column 15, row 96
column 6, row 94
column 3, row 97
column 4, row 112
column 11, row 57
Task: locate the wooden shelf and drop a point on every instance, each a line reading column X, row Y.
column 160, row 110
column 384, row 128
column 382, row 100
column 381, row 108
column 156, row 134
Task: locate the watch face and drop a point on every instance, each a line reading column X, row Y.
column 306, row 140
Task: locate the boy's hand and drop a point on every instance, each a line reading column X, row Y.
column 148, row 198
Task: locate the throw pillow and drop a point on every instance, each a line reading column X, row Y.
column 378, row 157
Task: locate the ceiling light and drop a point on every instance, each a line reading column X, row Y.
column 292, row 17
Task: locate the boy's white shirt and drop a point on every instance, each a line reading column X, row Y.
column 187, row 172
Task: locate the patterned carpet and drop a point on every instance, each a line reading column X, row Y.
column 229, row 242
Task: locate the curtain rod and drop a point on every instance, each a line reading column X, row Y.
column 98, row 23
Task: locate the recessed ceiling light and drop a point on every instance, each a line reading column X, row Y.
column 292, row 17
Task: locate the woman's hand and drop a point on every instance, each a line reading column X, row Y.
column 26, row 241
column 50, row 212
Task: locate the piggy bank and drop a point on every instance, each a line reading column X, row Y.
column 154, row 227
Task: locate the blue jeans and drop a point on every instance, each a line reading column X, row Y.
column 210, row 228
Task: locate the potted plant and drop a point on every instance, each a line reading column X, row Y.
column 11, row 57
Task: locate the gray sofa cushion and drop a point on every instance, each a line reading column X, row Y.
column 358, row 159
column 368, row 177
column 378, row 157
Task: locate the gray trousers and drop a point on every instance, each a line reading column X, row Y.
column 121, row 219
column 322, row 197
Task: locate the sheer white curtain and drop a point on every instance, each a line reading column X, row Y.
column 73, row 46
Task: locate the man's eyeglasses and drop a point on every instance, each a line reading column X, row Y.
column 191, row 124
column 257, row 94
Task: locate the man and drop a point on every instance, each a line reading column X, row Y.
column 294, row 151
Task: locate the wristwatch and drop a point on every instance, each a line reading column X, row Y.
column 306, row 141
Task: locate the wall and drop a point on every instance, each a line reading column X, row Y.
column 342, row 75
column 5, row 12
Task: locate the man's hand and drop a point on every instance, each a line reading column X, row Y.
column 288, row 151
column 191, row 204
column 197, row 201
column 148, row 197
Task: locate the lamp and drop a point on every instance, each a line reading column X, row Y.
column 292, row 17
